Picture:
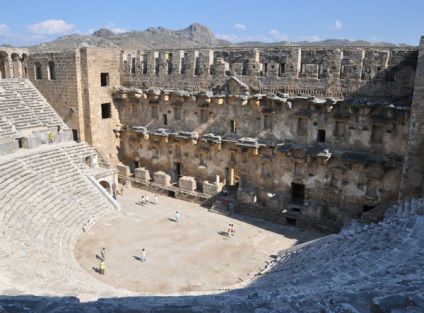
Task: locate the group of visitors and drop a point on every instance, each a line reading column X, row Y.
column 145, row 199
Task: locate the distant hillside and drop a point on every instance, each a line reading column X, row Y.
column 195, row 35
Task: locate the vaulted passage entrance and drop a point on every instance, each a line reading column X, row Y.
column 105, row 185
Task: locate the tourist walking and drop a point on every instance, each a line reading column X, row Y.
column 156, row 199
column 102, row 267
column 232, row 230
column 143, row 255
column 142, row 199
column 103, row 254
column 147, row 199
column 229, row 230
column 177, row 216
column 51, row 137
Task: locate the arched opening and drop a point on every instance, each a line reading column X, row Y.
column 106, row 186
column 52, row 73
column 37, row 70
column 3, row 64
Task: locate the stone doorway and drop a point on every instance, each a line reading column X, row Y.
column 298, row 194
column 177, row 171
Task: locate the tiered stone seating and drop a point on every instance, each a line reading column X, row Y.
column 79, row 153
column 23, row 108
column 44, row 202
column 360, row 257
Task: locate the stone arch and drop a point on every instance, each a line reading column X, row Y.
column 52, row 70
column 4, row 62
column 105, row 184
column 38, row 70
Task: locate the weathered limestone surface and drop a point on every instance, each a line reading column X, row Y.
column 212, row 188
column 162, row 178
column 317, row 71
column 327, row 126
column 187, row 183
column 142, row 173
column 413, row 173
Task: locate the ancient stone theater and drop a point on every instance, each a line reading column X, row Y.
column 329, row 139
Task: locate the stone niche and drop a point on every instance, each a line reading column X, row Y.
column 123, row 170
column 212, row 188
column 187, row 183
column 162, row 178
column 142, row 173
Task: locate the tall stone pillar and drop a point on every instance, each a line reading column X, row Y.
column 413, row 167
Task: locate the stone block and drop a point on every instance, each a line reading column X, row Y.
column 187, row 183
column 212, row 188
column 123, row 170
column 142, row 173
column 162, row 178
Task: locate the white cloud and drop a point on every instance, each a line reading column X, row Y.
column 4, row 29
column 239, row 26
column 310, row 38
column 115, row 29
column 261, row 38
column 338, row 24
column 51, row 27
column 277, row 35
column 229, row 37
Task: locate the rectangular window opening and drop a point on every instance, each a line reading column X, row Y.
column 321, row 135
column 104, row 79
column 106, row 110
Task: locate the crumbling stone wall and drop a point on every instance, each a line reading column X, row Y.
column 319, row 71
column 413, row 174
column 13, row 62
column 322, row 128
column 346, row 153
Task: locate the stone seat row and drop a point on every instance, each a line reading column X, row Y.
column 361, row 258
column 38, row 215
column 26, row 106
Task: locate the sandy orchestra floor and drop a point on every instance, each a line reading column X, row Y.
column 193, row 255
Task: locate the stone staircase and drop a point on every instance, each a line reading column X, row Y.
column 221, row 206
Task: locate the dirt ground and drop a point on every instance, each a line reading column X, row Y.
column 193, row 255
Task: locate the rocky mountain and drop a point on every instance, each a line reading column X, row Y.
column 195, row 35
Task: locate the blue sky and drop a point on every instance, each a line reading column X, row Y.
column 29, row 22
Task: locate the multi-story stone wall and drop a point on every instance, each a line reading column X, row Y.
column 327, row 153
column 79, row 85
column 307, row 133
column 318, row 71
column 58, row 77
column 100, row 72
